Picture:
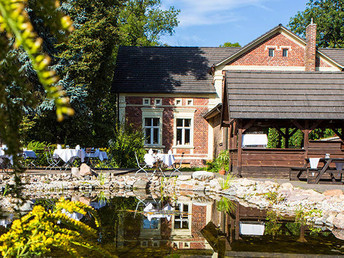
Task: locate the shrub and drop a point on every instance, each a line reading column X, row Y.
column 127, row 140
column 221, row 162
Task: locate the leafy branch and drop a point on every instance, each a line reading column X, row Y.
column 15, row 21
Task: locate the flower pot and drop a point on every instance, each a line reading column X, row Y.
column 222, row 171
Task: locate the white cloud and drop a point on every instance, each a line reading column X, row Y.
column 209, row 12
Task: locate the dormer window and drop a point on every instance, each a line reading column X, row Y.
column 285, row 52
column 271, row 52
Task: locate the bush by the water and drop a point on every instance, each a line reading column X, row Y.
column 127, row 140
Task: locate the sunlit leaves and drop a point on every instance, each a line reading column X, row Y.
column 15, row 22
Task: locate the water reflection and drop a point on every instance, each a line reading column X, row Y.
column 151, row 225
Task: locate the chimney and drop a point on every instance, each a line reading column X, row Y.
column 310, row 52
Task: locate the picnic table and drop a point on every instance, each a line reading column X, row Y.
column 315, row 174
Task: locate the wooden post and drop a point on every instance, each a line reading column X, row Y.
column 240, row 151
column 286, row 143
column 230, row 146
column 306, row 142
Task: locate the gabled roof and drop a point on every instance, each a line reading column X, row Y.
column 167, row 69
column 285, row 95
column 278, row 29
column 336, row 54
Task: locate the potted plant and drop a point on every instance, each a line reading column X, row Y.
column 222, row 162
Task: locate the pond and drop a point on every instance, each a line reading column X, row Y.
column 148, row 225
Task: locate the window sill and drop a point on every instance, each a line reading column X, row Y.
column 183, row 147
column 154, row 146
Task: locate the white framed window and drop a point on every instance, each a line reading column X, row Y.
column 178, row 102
column 285, row 52
column 151, row 130
column 183, row 131
column 189, row 102
column 271, row 52
column 181, row 221
column 183, row 127
column 152, row 126
column 146, row 102
column 158, row 102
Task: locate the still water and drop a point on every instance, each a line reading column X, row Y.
column 146, row 225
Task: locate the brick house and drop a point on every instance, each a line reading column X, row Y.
column 177, row 94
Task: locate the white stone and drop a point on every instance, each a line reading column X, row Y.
column 85, row 170
column 184, row 177
column 202, row 175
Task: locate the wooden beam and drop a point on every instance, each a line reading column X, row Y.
column 286, row 139
column 240, row 151
column 340, row 135
column 315, row 125
column 248, row 125
column 228, row 123
column 297, row 124
column 293, row 132
column 279, row 130
column 306, row 142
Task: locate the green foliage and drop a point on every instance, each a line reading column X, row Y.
column 226, row 183
column 127, row 140
column 141, row 23
column 272, row 227
column 302, row 215
column 229, row 44
column 220, row 162
column 321, row 133
column 16, row 97
column 86, row 64
column 274, row 138
column 328, row 15
column 38, row 232
column 225, row 205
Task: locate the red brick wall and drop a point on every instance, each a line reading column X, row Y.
column 260, row 54
column 200, row 133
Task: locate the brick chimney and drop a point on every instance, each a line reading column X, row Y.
column 310, row 52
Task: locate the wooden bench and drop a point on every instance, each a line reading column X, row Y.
column 299, row 171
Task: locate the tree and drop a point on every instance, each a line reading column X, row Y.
column 329, row 17
column 16, row 31
column 229, row 44
column 86, row 63
column 142, row 22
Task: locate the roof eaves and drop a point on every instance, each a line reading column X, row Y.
column 213, row 112
column 330, row 59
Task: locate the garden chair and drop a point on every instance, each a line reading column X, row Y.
column 177, row 167
column 141, row 166
column 53, row 161
column 92, row 159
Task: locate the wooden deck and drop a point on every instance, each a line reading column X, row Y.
column 279, row 163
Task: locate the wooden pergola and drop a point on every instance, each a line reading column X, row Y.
column 254, row 101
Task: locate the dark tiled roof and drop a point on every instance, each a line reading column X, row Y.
column 285, row 95
column 167, row 69
column 337, row 54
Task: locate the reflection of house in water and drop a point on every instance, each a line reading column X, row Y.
column 180, row 230
column 187, row 224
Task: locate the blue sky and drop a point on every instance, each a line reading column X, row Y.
column 210, row 23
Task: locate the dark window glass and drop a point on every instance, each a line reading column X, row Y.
column 271, row 52
column 179, row 122
column 179, row 136
column 187, row 136
column 156, row 121
column 285, row 52
column 187, row 122
column 148, row 121
column 148, row 136
column 156, row 136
